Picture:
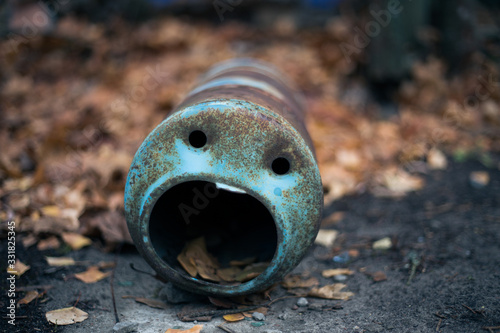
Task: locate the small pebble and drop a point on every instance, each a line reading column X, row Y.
column 342, row 258
column 302, row 302
column 295, row 307
column 340, row 277
column 259, row 324
column 125, row 327
column 282, row 316
column 258, row 316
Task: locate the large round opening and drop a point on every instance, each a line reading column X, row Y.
column 213, row 234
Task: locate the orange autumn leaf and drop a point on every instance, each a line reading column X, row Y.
column 92, row 275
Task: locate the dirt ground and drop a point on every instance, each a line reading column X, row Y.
column 451, row 228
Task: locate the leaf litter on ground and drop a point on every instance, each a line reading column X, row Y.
column 197, row 261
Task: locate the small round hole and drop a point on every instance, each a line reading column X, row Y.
column 197, row 139
column 280, row 166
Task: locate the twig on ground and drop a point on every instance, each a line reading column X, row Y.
column 465, row 306
column 439, row 325
column 111, row 283
column 78, row 299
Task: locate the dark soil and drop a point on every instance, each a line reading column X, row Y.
column 449, row 232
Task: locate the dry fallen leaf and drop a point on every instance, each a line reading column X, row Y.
column 234, row 317
column 75, row 240
column 194, row 329
column 229, row 274
column 152, row 302
column 243, row 262
column 60, row 261
column 252, row 271
column 30, row 296
column 29, row 240
column 332, row 219
column 336, row 271
column 331, row 291
column 66, row 316
column 195, row 259
column 48, row 244
column 92, row 275
column 326, row 238
column 18, row 269
column 51, row 210
column 379, row 276
column 297, row 281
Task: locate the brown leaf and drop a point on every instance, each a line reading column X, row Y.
column 92, row 275
column 48, row 244
column 152, row 302
column 66, row 316
column 332, row 219
column 195, row 259
column 30, row 296
column 252, row 271
column 243, row 262
column 234, row 317
column 110, row 225
column 187, row 265
column 337, row 271
column 229, row 274
column 60, row 261
column 194, row 329
column 331, row 291
column 248, row 314
column 29, row 240
column 297, row 281
column 18, row 269
column 51, row 210
column 378, row 276
column 75, row 240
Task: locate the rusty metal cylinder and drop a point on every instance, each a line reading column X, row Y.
column 232, row 164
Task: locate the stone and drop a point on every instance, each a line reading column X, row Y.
column 302, row 302
column 258, row 316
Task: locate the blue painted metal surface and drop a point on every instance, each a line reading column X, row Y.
column 233, row 163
